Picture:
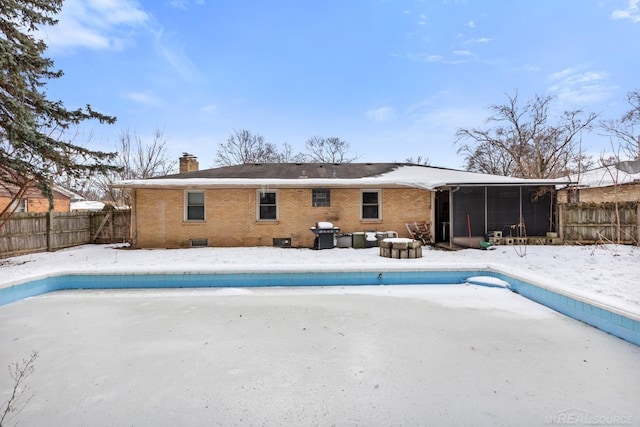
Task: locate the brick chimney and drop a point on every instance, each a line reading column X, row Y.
column 188, row 163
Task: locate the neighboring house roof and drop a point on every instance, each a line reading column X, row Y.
column 331, row 174
column 627, row 172
column 75, row 197
column 87, row 205
column 32, row 192
column 8, row 189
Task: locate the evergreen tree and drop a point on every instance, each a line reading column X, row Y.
column 32, row 127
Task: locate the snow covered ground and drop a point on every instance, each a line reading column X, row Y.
column 379, row 355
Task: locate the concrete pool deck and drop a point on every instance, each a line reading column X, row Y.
column 391, row 355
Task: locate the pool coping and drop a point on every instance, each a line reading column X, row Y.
column 614, row 320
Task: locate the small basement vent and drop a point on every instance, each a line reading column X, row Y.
column 198, row 243
column 282, row 242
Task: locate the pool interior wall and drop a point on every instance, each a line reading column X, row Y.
column 608, row 319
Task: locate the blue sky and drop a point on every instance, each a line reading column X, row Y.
column 394, row 78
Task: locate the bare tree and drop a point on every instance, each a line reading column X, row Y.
column 136, row 160
column 485, row 157
column 524, row 143
column 626, row 129
column 625, row 137
column 611, row 164
column 19, row 373
column 424, row 161
column 328, row 150
column 244, row 147
column 286, row 155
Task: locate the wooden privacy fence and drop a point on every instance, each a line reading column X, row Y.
column 597, row 222
column 26, row 233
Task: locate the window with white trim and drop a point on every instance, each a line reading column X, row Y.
column 21, row 205
column 267, row 205
column 371, row 204
column 194, row 206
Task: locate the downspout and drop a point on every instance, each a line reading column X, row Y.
column 453, row 190
column 486, row 210
column 520, row 216
column 134, row 221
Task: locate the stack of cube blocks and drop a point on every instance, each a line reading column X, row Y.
column 499, row 239
column 400, row 249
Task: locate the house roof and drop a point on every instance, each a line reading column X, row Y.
column 331, row 174
column 627, row 172
column 290, row 171
column 8, row 190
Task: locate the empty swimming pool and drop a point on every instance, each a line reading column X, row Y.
column 343, row 355
column 617, row 322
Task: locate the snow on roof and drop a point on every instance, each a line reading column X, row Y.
column 606, row 176
column 87, row 205
column 416, row 176
column 432, row 178
column 66, row 192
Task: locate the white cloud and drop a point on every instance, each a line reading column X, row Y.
column 94, row 24
column 185, row 4
column 109, row 24
column 562, row 74
column 116, row 12
column 179, row 4
column 145, row 98
column 471, row 24
column 459, row 57
column 631, row 12
column 174, row 53
column 381, row 115
column 425, row 57
column 209, row 109
column 434, row 58
column 479, row 40
column 575, row 87
column 435, row 114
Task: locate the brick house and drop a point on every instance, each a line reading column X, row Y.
column 261, row 204
column 33, row 201
column 619, row 182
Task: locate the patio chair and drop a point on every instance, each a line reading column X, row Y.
column 420, row 231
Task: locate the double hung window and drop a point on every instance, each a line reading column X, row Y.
column 371, row 204
column 194, row 205
column 268, row 205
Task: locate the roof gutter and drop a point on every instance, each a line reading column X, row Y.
column 504, row 184
column 321, row 182
column 281, row 183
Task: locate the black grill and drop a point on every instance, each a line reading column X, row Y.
column 325, row 237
